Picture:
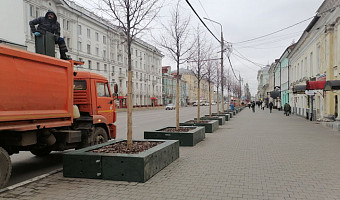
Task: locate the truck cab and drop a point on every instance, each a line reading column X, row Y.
column 92, row 96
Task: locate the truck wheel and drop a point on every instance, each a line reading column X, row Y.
column 99, row 136
column 41, row 152
column 5, row 167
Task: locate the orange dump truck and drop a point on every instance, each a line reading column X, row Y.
column 45, row 106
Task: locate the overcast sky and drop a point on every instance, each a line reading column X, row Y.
column 244, row 20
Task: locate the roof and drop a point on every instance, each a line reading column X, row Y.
column 90, row 75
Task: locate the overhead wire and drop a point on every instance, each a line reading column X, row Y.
column 192, row 8
column 318, row 14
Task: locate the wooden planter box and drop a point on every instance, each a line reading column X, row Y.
column 221, row 120
column 120, row 167
column 210, row 127
column 226, row 115
column 190, row 138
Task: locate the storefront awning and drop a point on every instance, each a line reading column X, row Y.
column 274, row 94
column 332, row 85
column 122, row 97
column 153, row 98
column 315, row 85
column 299, row 89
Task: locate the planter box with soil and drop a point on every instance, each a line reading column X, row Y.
column 187, row 135
column 221, row 120
column 210, row 125
column 112, row 161
column 226, row 115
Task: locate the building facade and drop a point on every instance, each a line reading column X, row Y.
column 102, row 47
column 191, row 80
column 169, row 82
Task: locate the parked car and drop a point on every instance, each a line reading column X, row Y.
column 206, row 104
column 213, row 103
column 170, row 107
column 195, row 104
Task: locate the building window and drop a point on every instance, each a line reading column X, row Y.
column 105, row 67
column 98, row 66
column 89, row 64
column 104, row 53
column 79, row 30
column 31, row 11
column 67, row 25
column 88, row 33
column 97, row 51
column 113, row 68
column 79, row 46
column 97, row 36
column 37, row 12
column 311, row 64
column 68, row 42
column 104, row 39
column 89, row 49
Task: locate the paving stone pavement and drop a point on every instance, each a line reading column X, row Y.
column 257, row 155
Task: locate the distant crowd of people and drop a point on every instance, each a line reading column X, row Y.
column 270, row 105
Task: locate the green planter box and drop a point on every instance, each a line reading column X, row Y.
column 226, row 115
column 210, row 127
column 221, row 120
column 120, row 167
column 190, row 138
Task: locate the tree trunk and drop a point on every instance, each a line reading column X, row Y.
column 129, row 97
column 198, row 102
column 209, row 101
column 218, row 102
column 177, row 102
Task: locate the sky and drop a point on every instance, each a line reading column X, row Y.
column 241, row 20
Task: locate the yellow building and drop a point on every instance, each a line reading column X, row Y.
column 315, row 59
column 191, row 80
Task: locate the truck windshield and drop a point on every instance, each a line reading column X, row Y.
column 79, row 85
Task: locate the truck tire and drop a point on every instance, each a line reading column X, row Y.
column 99, row 136
column 5, row 167
column 41, row 152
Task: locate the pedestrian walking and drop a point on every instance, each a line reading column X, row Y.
column 270, row 107
column 287, row 109
column 249, row 104
column 49, row 24
column 253, row 106
column 232, row 107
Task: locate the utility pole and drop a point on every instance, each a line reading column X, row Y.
column 222, row 43
column 222, row 75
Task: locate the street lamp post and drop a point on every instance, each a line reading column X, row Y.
column 222, row 43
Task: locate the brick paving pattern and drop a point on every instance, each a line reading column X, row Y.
column 257, row 155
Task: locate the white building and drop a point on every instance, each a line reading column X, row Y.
column 101, row 46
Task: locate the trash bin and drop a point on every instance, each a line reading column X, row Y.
column 45, row 44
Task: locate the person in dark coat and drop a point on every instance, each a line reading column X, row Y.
column 49, row 24
column 253, row 106
column 271, row 106
column 287, row 109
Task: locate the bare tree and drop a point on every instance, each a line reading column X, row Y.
column 133, row 17
column 175, row 41
column 200, row 57
column 212, row 65
column 218, row 84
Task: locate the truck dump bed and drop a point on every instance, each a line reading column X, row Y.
column 36, row 91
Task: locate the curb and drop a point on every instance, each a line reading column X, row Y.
column 12, row 187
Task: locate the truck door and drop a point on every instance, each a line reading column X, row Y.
column 105, row 102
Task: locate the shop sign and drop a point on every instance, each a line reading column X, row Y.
column 310, row 92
